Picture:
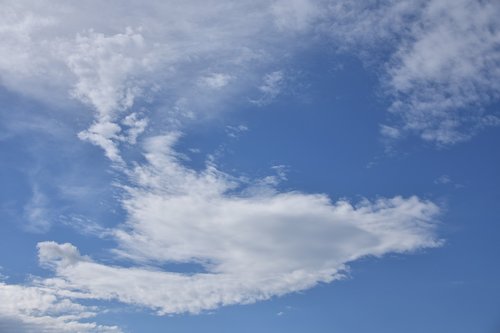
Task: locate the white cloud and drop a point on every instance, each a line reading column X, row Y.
column 116, row 54
column 108, row 134
column 253, row 245
column 449, row 71
column 104, row 134
column 103, row 66
column 31, row 309
column 111, row 57
column 136, row 126
column 370, row 26
column 438, row 61
column 22, row 67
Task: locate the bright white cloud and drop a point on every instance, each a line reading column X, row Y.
column 439, row 61
column 102, row 65
column 254, row 243
column 31, row 309
column 104, row 134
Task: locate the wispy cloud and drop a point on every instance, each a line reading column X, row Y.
column 37, row 212
column 215, row 80
column 271, row 87
column 443, row 179
column 112, row 61
column 438, row 61
column 235, row 131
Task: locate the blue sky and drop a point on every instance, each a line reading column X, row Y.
column 300, row 166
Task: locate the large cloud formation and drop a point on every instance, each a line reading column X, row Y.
column 438, row 59
column 253, row 243
column 158, row 64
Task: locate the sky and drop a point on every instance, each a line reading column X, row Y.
column 265, row 165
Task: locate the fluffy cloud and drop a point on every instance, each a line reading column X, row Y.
column 438, row 61
column 252, row 241
column 446, row 74
column 31, row 309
